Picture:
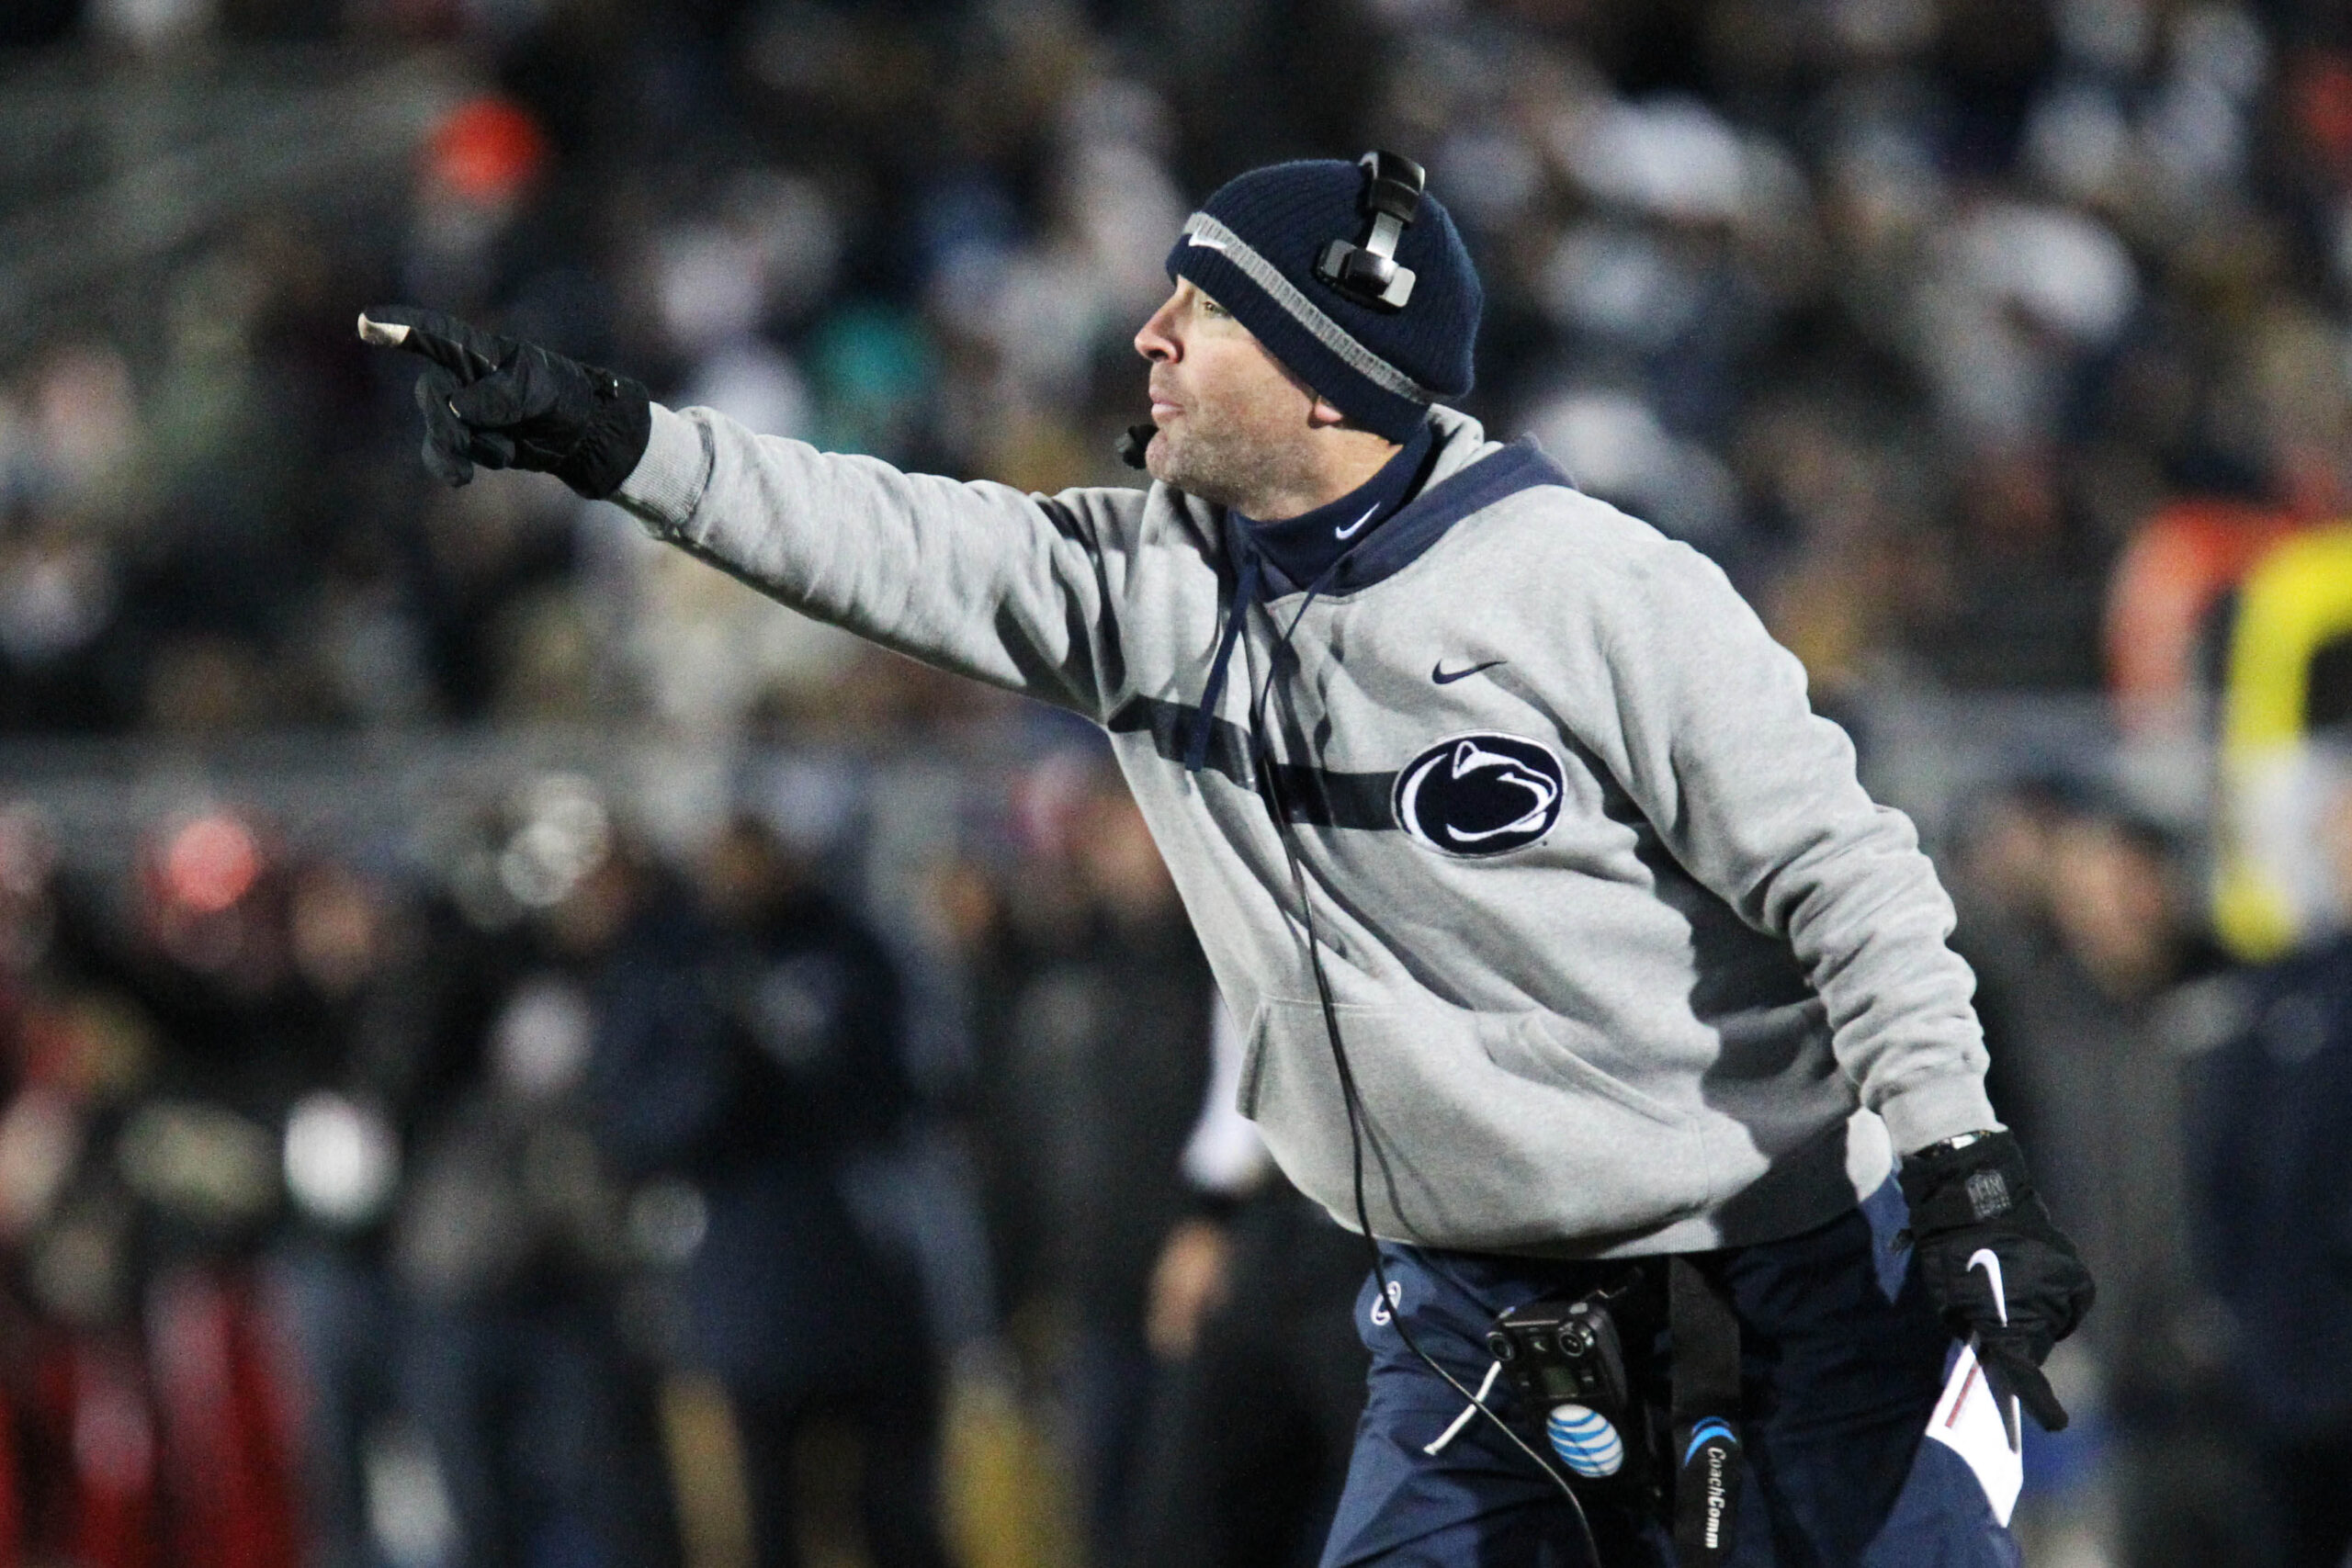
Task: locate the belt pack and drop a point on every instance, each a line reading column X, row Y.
column 1582, row 1361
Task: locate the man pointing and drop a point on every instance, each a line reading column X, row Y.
column 1570, row 952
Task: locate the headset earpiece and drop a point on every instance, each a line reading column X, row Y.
column 1368, row 272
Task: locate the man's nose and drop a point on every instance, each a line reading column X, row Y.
column 1152, row 339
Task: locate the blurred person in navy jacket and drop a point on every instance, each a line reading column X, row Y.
column 1095, row 1058
column 513, row 1240
column 2097, row 993
column 737, row 1093
column 2274, row 1207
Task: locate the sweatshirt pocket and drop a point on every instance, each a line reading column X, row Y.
column 1541, row 1050
column 1479, row 1132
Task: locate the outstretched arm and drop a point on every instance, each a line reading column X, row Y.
column 1015, row 590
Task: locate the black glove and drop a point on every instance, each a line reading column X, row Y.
column 503, row 404
column 1979, row 1197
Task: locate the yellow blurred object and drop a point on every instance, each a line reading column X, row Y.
column 2295, row 602
column 1008, row 1498
column 707, row 1472
column 1006, row 1501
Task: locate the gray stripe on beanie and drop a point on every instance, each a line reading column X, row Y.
column 1206, row 231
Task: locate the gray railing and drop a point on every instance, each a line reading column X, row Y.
column 1928, row 752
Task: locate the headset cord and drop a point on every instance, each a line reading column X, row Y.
column 1262, row 759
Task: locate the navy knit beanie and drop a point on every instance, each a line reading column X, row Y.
column 1253, row 249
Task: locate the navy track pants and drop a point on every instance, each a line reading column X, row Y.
column 1842, row 1359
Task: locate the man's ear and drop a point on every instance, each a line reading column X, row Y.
column 1323, row 415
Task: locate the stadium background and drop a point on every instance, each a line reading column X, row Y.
column 2000, row 349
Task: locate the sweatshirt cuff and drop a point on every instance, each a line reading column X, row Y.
column 668, row 482
column 1934, row 1109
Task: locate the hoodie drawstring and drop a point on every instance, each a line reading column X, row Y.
column 1245, row 592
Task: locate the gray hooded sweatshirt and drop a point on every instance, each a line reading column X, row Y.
column 1625, row 959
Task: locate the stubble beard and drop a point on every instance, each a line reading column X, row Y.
column 1221, row 466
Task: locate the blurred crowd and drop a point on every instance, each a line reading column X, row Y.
column 1910, row 312
column 524, row 1190
column 542, row 1198
column 548, row 1191
column 350, row 1216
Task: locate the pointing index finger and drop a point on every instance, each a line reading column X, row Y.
column 383, row 335
column 444, row 340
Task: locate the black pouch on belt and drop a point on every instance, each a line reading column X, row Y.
column 1705, row 1333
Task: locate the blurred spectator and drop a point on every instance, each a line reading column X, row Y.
column 2270, row 1194
column 1094, row 1058
column 1251, row 1298
column 341, row 1155
column 141, row 1177
column 2095, row 989
column 2085, row 1031
column 211, row 959
column 512, row 1238
column 2000, row 881
column 79, row 1409
column 736, row 1079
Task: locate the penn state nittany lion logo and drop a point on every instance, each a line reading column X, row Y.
column 1480, row 794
